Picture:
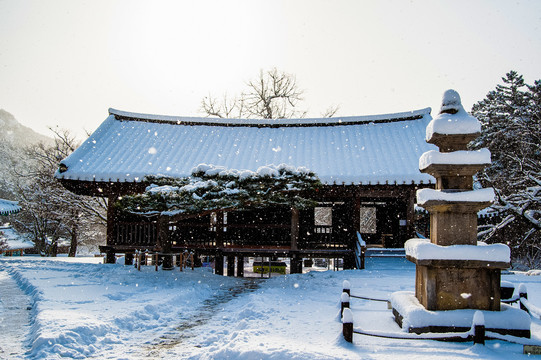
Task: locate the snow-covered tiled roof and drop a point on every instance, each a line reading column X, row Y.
column 13, row 240
column 351, row 150
column 9, row 207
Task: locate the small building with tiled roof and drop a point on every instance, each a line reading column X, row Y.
column 11, row 243
column 9, row 207
column 368, row 164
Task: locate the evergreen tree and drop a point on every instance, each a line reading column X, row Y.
column 511, row 129
column 213, row 187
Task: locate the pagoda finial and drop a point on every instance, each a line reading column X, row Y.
column 450, row 102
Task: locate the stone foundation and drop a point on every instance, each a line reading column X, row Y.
column 413, row 317
column 453, row 287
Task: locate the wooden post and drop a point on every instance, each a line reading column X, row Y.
column 164, row 243
column 111, row 217
column 349, row 261
column 192, row 261
column 240, row 266
column 347, row 325
column 144, row 257
column 219, row 229
column 479, row 334
column 110, row 257
column 357, row 214
column 523, row 294
column 410, row 215
column 344, row 302
column 219, row 263
column 296, row 264
column 346, row 287
column 363, row 253
column 478, row 328
column 230, row 265
column 294, row 228
column 128, row 259
column 181, row 261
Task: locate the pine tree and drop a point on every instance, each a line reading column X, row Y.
column 511, row 129
column 212, row 188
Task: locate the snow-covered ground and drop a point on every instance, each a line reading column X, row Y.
column 82, row 309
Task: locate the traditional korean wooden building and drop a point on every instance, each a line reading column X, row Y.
column 368, row 166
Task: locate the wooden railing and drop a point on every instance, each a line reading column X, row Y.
column 204, row 235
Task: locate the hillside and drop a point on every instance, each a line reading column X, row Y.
column 13, row 138
column 16, row 134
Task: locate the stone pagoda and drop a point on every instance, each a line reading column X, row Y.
column 446, row 281
column 455, row 274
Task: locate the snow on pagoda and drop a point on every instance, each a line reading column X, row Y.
column 453, row 270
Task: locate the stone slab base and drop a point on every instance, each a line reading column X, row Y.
column 412, row 316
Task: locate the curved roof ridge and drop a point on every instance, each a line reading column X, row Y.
column 339, row 120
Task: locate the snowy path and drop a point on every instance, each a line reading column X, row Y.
column 14, row 318
column 188, row 327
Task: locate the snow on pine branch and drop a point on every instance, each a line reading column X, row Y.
column 213, row 187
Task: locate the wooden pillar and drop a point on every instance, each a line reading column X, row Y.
column 296, row 264
column 111, row 217
column 357, row 213
column 128, row 259
column 230, row 265
column 219, row 264
column 410, row 214
column 219, row 230
column 110, row 236
column 294, row 228
column 110, row 257
column 164, row 242
column 143, row 256
column 240, row 266
column 349, row 261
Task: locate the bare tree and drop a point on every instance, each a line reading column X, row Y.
column 273, row 95
column 50, row 212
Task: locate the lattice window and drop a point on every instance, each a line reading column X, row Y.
column 367, row 224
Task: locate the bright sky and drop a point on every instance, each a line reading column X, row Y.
column 65, row 62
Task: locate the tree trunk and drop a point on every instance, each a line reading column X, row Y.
column 53, row 249
column 73, row 243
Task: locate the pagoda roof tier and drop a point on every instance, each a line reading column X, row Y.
column 452, row 142
column 456, row 201
column 423, row 252
column 451, row 170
